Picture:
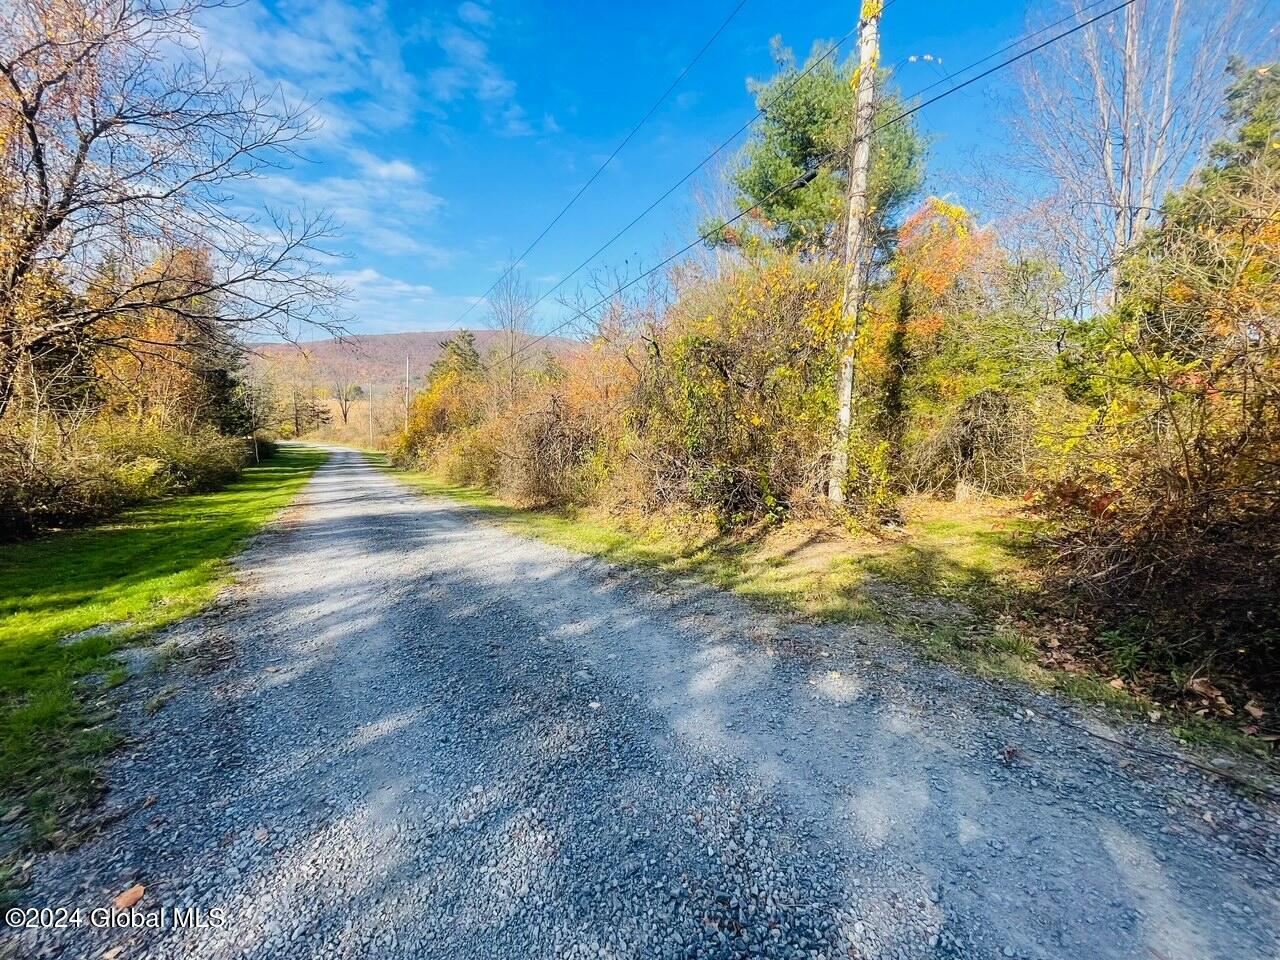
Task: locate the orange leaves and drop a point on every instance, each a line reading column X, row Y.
column 939, row 252
column 129, row 898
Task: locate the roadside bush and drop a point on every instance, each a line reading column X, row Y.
column 735, row 407
column 1169, row 488
column 547, row 455
column 60, row 480
column 469, row 457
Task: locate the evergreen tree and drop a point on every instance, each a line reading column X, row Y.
column 805, row 135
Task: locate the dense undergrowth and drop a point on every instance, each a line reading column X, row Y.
column 66, row 481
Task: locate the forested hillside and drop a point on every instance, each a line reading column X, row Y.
column 379, row 358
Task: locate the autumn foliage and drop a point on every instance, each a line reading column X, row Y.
column 1145, row 436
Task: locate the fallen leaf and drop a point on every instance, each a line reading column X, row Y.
column 1253, row 709
column 273, row 669
column 1117, row 682
column 130, row 897
column 151, row 798
column 112, row 953
column 261, row 835
column 1154, row 715
column 1202, row 686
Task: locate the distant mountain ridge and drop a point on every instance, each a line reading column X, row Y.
column 379, row 357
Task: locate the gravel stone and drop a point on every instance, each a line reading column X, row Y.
column 475, row 745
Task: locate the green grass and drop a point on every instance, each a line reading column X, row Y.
column 148, row 568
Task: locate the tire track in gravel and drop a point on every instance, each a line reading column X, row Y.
column 440, row 740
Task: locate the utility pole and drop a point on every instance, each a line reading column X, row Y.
column 855, row 243
column 370, row 414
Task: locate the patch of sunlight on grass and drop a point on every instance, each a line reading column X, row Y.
column 963, row 552
column 108, row 585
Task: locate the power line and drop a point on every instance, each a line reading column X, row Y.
column 797, row 181
column 1016, row 43
column 761, row 113
column 599, row 170
column 688, row 176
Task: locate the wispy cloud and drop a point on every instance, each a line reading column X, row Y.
column 469, row 72
column 399, row 170
column 388, row 304
column 381, row 82
column 381, row 215
column 348, row 56
column 474, row 14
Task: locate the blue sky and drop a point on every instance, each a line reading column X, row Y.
column 451, row 133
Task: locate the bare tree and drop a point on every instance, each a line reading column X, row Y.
column 1115, row 116
column 120, row 144
column 511, row 313
column 261, row 402
column 345, row 386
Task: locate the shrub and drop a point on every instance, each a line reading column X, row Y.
column 547, row 458
column 469, row 457
column 59, row 480
column 1169, row 492
column 735, row 409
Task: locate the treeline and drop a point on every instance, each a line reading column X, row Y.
column 1142, row 425
column 94, row 422
column 129, row 284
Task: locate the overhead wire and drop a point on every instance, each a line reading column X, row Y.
column 760, row 113
column 688, row 176
column 799, row 180
column 608, row 160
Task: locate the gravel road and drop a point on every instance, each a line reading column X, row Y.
column 409, row 733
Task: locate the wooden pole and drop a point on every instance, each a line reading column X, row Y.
column 855, row 246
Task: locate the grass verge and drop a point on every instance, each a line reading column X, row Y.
column 69, row 600
column 946, row 556
column 957, row 580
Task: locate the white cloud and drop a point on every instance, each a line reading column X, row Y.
column 385, row 304
column 327, row 48
column 400, row 171
column 349, row 62
column 382, row 216
column 469, row 72
column 474, row 14
column 372, row 282
column 348, row 59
